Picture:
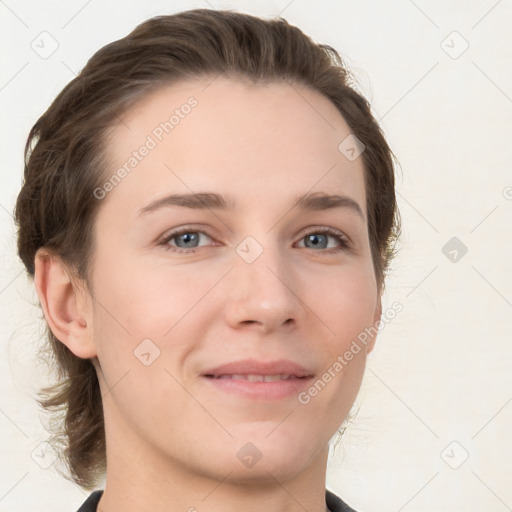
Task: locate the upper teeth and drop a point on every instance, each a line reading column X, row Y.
column 256, row 378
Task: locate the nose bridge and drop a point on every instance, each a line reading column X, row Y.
column 261, row 290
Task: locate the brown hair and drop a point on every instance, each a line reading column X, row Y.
column 65, row 162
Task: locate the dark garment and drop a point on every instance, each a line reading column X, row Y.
column 333, row 502
column 91, row 503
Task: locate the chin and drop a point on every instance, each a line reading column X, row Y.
column 265, row 472
column 254, row 455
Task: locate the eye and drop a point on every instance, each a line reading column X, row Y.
column 319, row 237
column 186, row 240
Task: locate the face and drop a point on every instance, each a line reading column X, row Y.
column 246, row 272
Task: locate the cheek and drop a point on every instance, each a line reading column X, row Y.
column 345, row 306
column 156, row 314
column 348, row 308
column 148, row 301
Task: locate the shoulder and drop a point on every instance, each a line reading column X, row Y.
column 335, row 504
column 91, row 503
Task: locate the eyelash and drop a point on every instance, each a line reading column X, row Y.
column 342, row 239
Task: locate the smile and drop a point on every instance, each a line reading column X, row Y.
column 258, row 387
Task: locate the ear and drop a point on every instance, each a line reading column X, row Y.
column 64, row 303
column 376, row 317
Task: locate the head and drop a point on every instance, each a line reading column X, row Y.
column 246, row 108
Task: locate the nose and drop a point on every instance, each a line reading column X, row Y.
column 263, row 294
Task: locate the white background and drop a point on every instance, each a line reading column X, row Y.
column 438, row 387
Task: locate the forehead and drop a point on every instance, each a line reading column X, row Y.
column 257, row 142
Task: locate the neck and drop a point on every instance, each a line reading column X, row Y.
column 142, row 479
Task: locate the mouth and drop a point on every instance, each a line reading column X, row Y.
column 255, row 378
column 251, row 379
column 267, row 388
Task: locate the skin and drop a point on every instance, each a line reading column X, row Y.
column 172, row 439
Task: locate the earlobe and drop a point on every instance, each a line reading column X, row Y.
column 65, row 313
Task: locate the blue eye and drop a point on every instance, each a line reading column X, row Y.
column 186, row 240
column 318, row 237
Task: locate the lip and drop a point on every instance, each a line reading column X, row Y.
column 254, row 367
column 276, row 390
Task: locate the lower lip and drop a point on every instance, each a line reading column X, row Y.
column 275, row 390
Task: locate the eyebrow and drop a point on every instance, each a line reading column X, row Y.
column 210, row 200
